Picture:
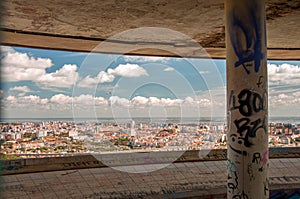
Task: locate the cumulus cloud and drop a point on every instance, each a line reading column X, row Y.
column 78, row 100
column 139, row 100
column 123, row 70
column 1, row 93
column 169, row 69
column 154, row 101
column 284, row 100
column 25, row 101
column 17, row 66
column 105, row 77
column 61, row 99
column 284, row 92
column 89, row 100
column 23, row 60
column 63, row 77
column 86, row 102
column 11, row 99
column 284, row 74
column 142, row 102
column 118, row 101
column 137, row 59
column 128, row 70
column 170, row 102
column 57, row 102
column 89, row 81
column 22, row 89
column 33, row 99
column 6, row 49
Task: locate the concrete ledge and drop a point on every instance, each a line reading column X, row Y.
column 31, row 165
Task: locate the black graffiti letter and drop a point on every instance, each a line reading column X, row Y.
column 256, row 158
column 242, row 125
column 232, row 101
column 244, row 99
column 257, row 102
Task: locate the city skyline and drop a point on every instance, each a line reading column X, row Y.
column 60, row 84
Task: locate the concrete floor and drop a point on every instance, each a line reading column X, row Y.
column 176, row 180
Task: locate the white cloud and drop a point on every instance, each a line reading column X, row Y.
column 81, row 100
column 170, row 102
column 118, row 101
column 6, row 49
column 1, row 93
column 284, row 90
column 105, row 77
column 87, row 82
column 57, row 102
column 284, row 101
column 23, row 60
column 100, row 101
column 89, row 100
column 11, row 99
column 145, row 59
column 61, row 99
column 128, row 70
column 22, row 89
column 64, row 77
column 30, row 101
column 296, row 94
column 86, row 102
column 102, row 77
column 169, row 69
column 154, row 101
column 139, row 100
column 284, row 74
column 142, row 102
column 18, row 66
column 204, row 72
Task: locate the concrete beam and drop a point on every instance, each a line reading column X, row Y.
column 88, row 44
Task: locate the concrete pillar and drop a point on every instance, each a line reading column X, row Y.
column 247, row 99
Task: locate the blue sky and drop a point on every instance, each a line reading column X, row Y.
column 46, row 83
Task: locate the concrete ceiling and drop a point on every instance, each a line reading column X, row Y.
column 83, row 25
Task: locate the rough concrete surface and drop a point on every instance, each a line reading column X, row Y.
column 201, row 20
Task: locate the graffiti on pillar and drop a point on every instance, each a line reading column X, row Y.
column 233, row 181
column 231, row 166
column 266, row 187
column 261, row 160
column 243, row 195
column 235, row 141
column 232, row 176
column 246, row 38
column 265, row 157
column 260, row 83
column 250, row 172
column 247, row 103
column 256, row 158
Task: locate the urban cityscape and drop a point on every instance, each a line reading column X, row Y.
column 25, row 139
